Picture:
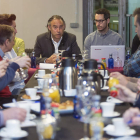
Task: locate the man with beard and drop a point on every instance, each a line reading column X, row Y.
column 103, row 35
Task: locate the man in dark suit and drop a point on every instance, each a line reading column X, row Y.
column 49, row 43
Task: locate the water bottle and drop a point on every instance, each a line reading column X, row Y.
column 128, row 55
column 75, row 61
column 110, row 62
column 33, row 60
column 75, row 114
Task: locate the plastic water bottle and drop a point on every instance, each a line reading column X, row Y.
column 75, row 114
column 110, row 62
column 128, row 55
column 33, row 60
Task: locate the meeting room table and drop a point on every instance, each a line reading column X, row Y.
column 71, row 128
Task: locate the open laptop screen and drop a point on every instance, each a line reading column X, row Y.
column 103, row 51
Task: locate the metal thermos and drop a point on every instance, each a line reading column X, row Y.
column 67, row 75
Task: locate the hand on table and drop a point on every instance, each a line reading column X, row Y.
column 125, row 94
column 132, row 114
column 52, row 59
column 122, row 79
column 14, row 113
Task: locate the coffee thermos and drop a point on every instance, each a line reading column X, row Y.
column 67, row 75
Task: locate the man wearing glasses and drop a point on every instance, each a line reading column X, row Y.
column 103, row 35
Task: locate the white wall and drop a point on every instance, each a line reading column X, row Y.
column 32, row 17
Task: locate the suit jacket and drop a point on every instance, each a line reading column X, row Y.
column 45, row 47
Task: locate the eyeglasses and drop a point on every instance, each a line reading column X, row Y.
column 100, row 21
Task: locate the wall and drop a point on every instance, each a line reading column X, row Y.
column 32, row 17
column 132, row 5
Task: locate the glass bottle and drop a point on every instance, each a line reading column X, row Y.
column 128, row 55
column 33, row 60
column 110, row 62
column 103, row 62
column 75, row 61
column 78, row 90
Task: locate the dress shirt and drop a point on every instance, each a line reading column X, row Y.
column 56, row 45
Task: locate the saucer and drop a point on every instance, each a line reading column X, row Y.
column 112, row 132
column 32, row 117
column 22, row 133
column 39, row 89
column 116, row 101
column 106, row 77
column 33, row 99
column 115, row 114
column 27, row 123
column 105, row 88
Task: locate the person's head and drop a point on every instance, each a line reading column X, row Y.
column 8, row 19
column 56, row 25
column 136, row 15
column 102, row 19
column 7, row 37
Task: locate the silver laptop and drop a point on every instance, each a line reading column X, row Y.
column 103, row 51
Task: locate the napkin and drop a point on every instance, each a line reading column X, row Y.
column 46, row 66
column 109, row 127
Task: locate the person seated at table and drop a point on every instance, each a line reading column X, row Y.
column 6, row 43
column 9, row 19
column 129, row 82
column 103, row 35
column 12, row 113
column 132, row 114
column 49, row 43
column 17, row 83
column 132, row 66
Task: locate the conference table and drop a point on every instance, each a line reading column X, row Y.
column 71, row 128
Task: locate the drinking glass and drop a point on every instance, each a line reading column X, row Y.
column 51, row 89
column 61, row 52
column 46, row 127
column 23, row 71
column 84, row 105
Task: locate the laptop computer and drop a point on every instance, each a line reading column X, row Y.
column 103, row 51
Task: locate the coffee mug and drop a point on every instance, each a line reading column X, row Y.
column 25, row 106
column 105, row 81
column 107, row 109
column 102, row 73
column 40, row 83
column 12, row 127
column 31, row 92
column 41, row 73
column 120, row 126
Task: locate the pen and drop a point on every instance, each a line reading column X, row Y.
column 130, row 121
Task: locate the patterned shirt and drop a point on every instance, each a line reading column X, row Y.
column 132, row 66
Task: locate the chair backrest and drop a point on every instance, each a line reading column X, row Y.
column 29, row 52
